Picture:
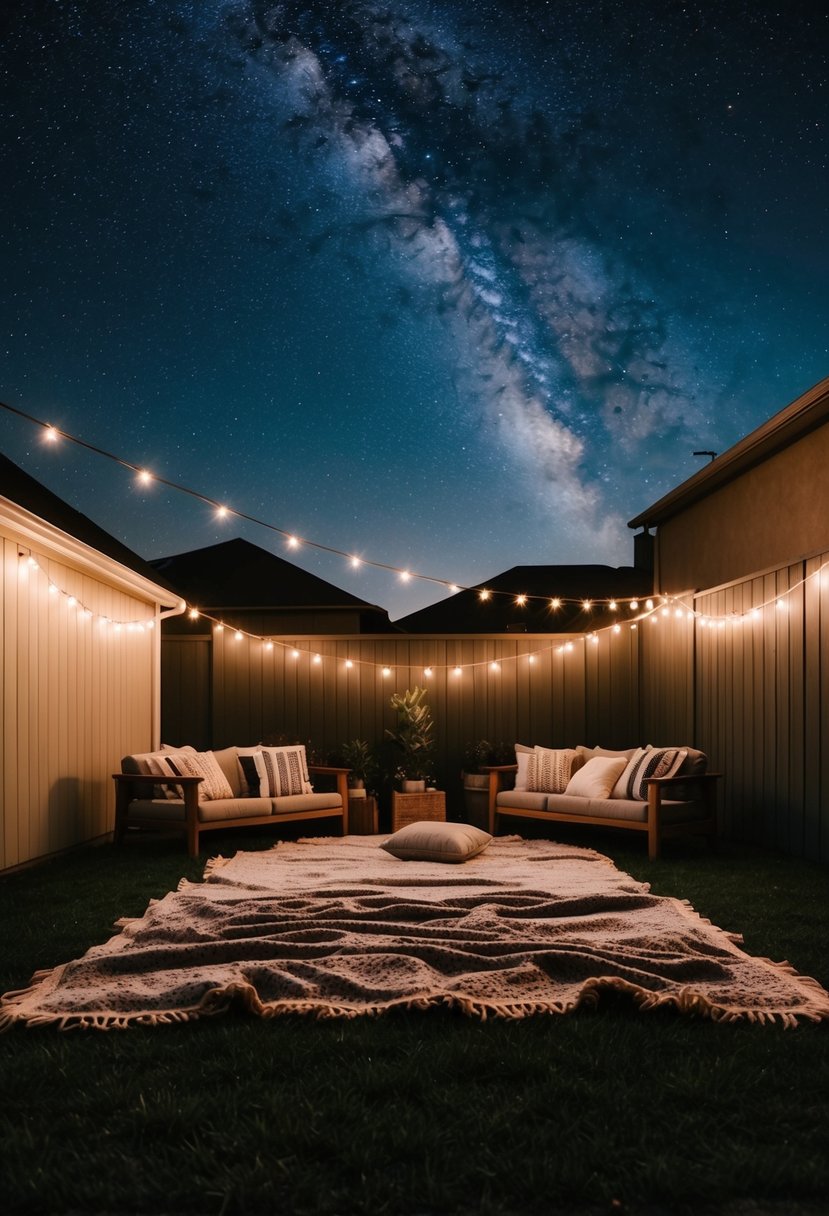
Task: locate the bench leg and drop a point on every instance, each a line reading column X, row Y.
column 654, row 816
column 191, row 819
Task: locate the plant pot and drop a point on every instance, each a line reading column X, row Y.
column 412, row 786
column 356, row 791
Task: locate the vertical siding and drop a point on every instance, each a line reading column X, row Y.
column 74, row 697
column 761, row 696
column 666, row 674
column 587, row 694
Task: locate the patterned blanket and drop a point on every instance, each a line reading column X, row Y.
column 339, row 928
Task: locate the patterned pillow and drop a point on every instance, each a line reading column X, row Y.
column 622, row 787
column 550, row 769
column 159, row 766
column 656, row 762
column 282, row 770
column 202, row 764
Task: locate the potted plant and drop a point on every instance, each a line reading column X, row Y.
column 359, row 757
column 413, row 737
column 475, row 778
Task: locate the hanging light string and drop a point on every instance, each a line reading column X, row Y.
column 649, row 609
column 31, row 564
column 144, row 477
column 652, row 612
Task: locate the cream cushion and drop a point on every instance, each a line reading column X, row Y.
column 597, row 778
column 428, row 840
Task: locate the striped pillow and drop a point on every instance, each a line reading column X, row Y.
column 656, row 762
column 282, row 771
column 159, row 766
column 622, row 787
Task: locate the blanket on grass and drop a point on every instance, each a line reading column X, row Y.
column 339, row 928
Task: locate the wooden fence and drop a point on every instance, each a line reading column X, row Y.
column 745, row 677
column 558, row 691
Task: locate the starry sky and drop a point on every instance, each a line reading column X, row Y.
column 449, row 286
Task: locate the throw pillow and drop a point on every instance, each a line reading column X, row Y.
column 597, row 778
column 159, row 766
column 251, row 783
column 622, row 787
column 428, row 840
column 282, row 771
column 202, row 764
column 657, row 762
column 522, row 759
column 550, row 769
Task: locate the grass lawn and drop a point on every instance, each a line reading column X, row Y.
column 603, row 1111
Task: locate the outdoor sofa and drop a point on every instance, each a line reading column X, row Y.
column 180, row 789
column 663, row 792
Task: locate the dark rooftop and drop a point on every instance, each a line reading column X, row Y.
column 24, row 490
column 466, row 612
column 237, row 574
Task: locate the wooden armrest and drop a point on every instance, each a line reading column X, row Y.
column 327, row 768
column 499, row 768
column 682, row 779
column 151, row 779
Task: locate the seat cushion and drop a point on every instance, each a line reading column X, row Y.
column 214, row 811
column 522, row 799
column 303, row 802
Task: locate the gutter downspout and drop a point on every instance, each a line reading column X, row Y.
column 160, row 616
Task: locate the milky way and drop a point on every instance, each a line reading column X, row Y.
column 498, row 272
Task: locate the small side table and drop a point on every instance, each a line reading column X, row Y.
column 362, row 816
column 410, row 808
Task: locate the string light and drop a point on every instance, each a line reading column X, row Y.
column 222, row 512
column 28, row 565
column 52, row 434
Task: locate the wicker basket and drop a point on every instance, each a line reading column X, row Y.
column 410, row 808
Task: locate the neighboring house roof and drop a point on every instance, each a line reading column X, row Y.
column 238, row 575
column 465, row 612
column 807, row 413
column 25, row 491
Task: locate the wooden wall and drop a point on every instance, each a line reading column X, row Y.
column 540, row 692
column 74, row 697
column 762, row 692
column 754, row 695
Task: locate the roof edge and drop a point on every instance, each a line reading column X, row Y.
column 803, row 415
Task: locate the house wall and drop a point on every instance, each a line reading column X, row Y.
column 763, row 518
column 74, row 697
column 589, row 694
column 762, row 704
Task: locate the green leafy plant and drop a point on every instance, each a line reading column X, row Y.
column 358, row 755
column 414, row 734
column 481, row 752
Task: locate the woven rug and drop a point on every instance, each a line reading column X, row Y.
column 339, row 928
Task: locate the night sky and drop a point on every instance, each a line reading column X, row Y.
column 453, row 287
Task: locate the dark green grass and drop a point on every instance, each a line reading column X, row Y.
column 414, row 1113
